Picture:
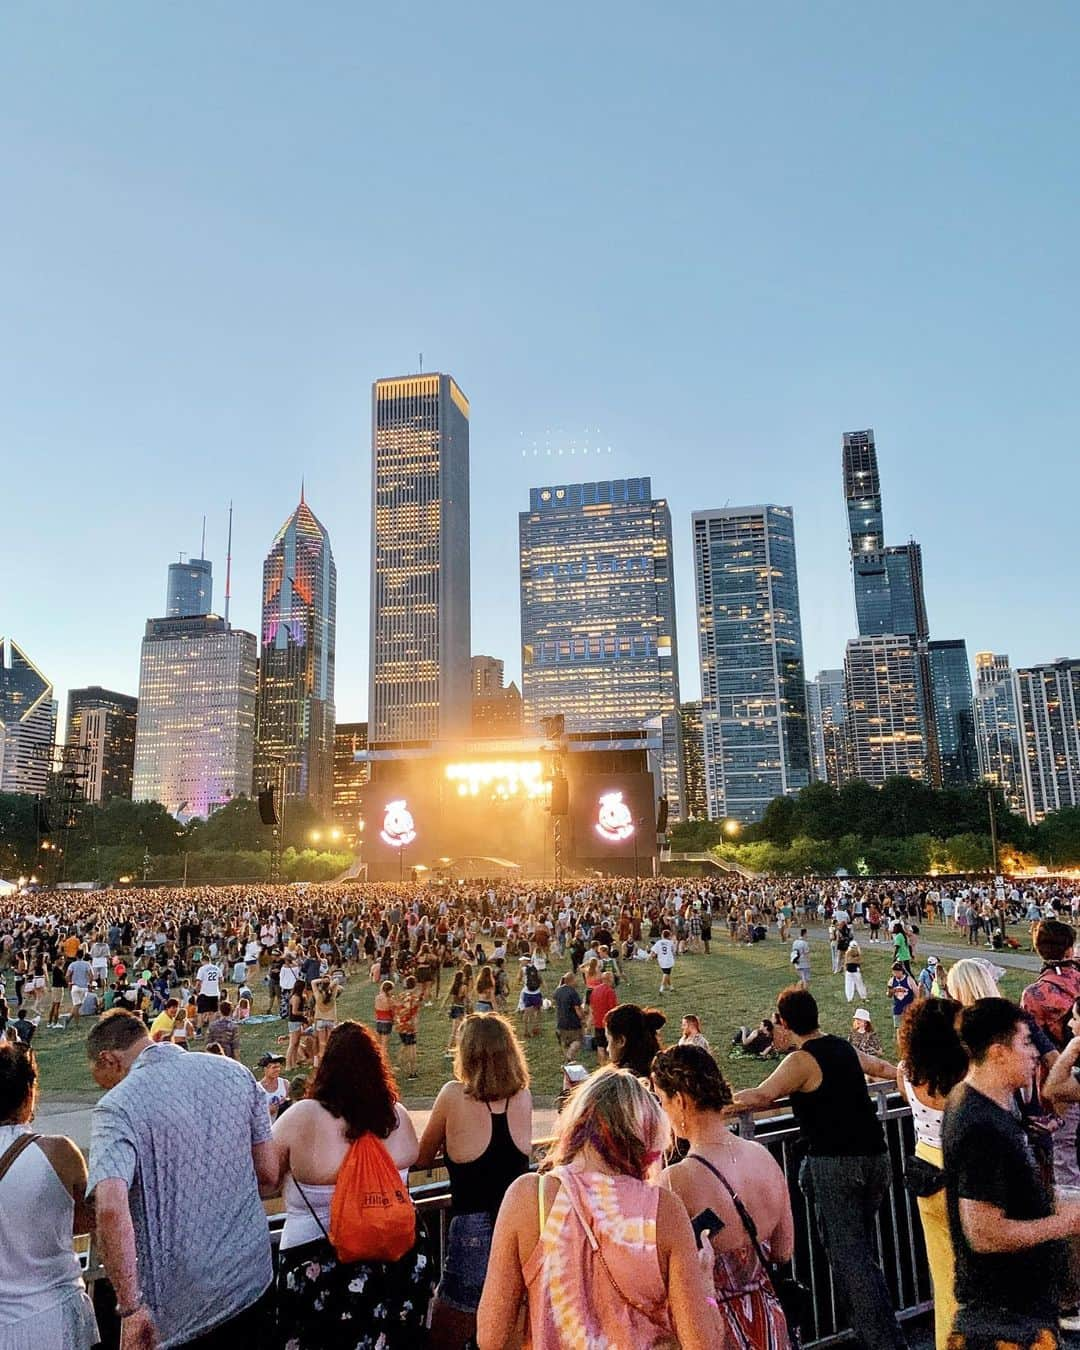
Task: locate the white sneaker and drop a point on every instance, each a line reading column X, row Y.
column 1070, row 1321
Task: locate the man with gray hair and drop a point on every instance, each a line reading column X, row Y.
column 179, row 1145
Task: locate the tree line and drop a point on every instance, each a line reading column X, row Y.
column 141, row 839
column 904, row 826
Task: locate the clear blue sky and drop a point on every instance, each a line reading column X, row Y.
column 710, row 236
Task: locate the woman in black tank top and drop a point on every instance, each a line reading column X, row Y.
column 482, row 1125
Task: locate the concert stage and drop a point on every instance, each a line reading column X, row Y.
column 447, row 806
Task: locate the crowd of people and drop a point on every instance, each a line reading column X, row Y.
column 649, row 1222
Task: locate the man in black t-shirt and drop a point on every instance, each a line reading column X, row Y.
column 845, row 1174
column 1006, row 1234
column 568, row 1017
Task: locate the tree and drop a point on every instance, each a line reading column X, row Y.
column 778, row 822
column 18, row 836
column 1057, row 838
column 817, row 812
column 970, row 852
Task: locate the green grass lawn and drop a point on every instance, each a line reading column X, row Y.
column 731, row 986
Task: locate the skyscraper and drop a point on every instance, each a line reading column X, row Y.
column 104, row 722
column 486, row 676
column 886, row 735
column 598, row 634
column 195, row 733
column 294, row 725
column 1048, row 701
column 695, row 800
column 191, row 588
column 826, row 710
column 954, row 719
column 888, row 580
column 350, row 775
column 27, row 722
column 997, row 727
column 753, row 691
column 420, row 637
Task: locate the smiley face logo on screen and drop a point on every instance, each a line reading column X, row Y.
column 398, row 827
column 614, row 822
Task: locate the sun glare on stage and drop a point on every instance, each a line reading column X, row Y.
column 498, row 779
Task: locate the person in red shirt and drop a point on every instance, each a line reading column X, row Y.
column 601, row 1002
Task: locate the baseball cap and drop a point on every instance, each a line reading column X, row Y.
column 931, row 960
column 862, row 1015
column 264, row 1060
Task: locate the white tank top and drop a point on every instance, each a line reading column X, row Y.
column 300, row 1226
column 927, row 1119
column 38, row 1266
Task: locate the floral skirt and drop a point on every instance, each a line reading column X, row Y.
column 365, row 1305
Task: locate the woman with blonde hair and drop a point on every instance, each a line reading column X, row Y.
column 972, row 979
column 482, row 1124
column 600, row 1256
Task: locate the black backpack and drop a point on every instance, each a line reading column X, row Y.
column 532, row 979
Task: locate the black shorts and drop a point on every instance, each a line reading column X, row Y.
column 600, row 1038
column 206, row 1003
column 407, row 1037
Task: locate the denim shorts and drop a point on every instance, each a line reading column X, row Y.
column 468, row 1247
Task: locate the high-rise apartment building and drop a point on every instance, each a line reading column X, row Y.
column 954, row 717
column 826, row 710
column 598, row 634
column 886, row 733
column 350, row 775
column 500, row 714
column 753, row 690
column 195, row 732
column 420, row 647
column 695, row 799
column 486, row 678
column 103, row 722
column 294, row 723
column 1048, row 701
column 997, row 727
column 191, row 588
column 27, row 722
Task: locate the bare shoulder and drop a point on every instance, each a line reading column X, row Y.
column 65, row 1157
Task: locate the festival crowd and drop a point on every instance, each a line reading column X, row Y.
column 650, row 1221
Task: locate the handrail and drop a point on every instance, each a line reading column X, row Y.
column 899, row 1230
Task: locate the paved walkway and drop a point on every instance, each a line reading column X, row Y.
column 948, row 951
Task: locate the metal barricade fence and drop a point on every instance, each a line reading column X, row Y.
column 901, row 1250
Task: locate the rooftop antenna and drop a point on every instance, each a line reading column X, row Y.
column 301, row 490
column 228, row 569
column 203, row 553
column 421, row 363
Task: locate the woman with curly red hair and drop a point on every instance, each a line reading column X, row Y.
column 322, row 1303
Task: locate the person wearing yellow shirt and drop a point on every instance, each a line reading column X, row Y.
column 161, row 1029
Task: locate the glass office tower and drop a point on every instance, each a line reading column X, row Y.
column 195, row 731
column 420, row 637
column 997, row 727
column 350, row 775
column 1048, row 701
column 695, row 799
column 826, row 710
column 104, row 722
column 888, row 582
column 598, row 641
column 191, row 588
column 294, row 726
column 27, row 722
column 954, row 717
column 753, row 690
column 886, row 730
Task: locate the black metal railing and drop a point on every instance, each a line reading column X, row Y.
column 901, row 1250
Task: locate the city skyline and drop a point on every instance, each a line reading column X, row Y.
column 200, row 296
